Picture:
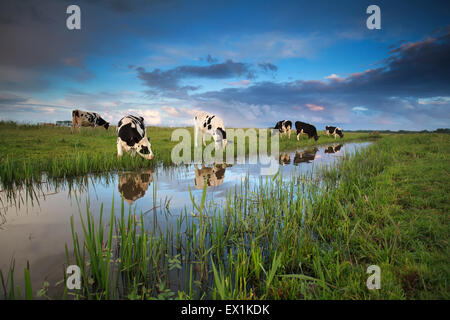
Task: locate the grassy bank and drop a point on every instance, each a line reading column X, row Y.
column 308, row 237
column 26, row 151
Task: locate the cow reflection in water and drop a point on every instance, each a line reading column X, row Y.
column 213, row 176
column 305, row 156
column 132, row 185
column 333, row 148
column 285, row 159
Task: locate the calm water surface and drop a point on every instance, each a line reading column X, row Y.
column 35, row 222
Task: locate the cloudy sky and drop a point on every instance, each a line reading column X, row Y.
column 251, row 62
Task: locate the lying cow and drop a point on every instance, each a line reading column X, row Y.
column 284, row 126
column 333, row 149
column 305, row 156
column 306, row 128
column 211, row 124
column 213, row 176
column 131, row 137
column 336, row 131
column 133, row 186
column 87, row 119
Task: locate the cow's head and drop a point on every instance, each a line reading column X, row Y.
column 222, row 135
column 339, row 132
column 101, row 122
column 144, row 149
column 316, row 137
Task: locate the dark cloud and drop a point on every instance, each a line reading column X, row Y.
column 267, row 66
column 210, row 59
column 411, row 72
column 171, row 79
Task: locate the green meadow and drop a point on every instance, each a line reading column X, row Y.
column 27, row 151
column 304, row 237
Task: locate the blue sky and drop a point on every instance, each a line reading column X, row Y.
column 251, row 62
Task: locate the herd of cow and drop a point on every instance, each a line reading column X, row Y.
column 132, row 138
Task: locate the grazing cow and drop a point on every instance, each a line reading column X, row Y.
column 132, row 186
column 306, row 128
column 212, row 176
column 87, row 119
column 211, row 124
column 131, row 137
column 285, row 159
column 336, row 131
column 333, row 149
column 305, row 156
column 284, row 126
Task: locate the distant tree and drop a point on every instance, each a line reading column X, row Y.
column 443, row 130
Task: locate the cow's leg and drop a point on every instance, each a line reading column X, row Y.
column 119, row 148
column 196, row 136
column 289, row 133
column 298, row 136
column 203, row 139
column 133, row 152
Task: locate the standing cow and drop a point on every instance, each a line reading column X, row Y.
column 284, row 126
column 305, row 156
column 131, row 137
column 333, row 149
column 336, row 131
column 306, row 128
column 212, row 176
column 133, row 186
column 208, row 123
column 87, row 119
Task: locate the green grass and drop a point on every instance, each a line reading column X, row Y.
column 27, row 151
column 305, row 237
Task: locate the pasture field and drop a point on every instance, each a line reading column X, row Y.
column 26, row 151
column 300, row 238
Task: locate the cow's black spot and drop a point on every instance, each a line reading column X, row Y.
column 209, row 127
column 222, row 133
column 129, row 135
column 209, row 120
column 204, row 124
column 144, row 150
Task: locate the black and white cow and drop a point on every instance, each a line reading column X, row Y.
column 336, row 131
column 131, row 137
column 133, row 186
column 208, row 123
column 306, row 128
column 87, row 119
column 305, row 156
column 284, row 159
column 212, row 176
column 284, row 126
column 333, row 149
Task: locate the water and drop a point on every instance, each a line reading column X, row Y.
column 35, row 222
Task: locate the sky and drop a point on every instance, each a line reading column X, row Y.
column 251, row 62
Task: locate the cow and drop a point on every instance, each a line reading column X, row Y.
column 133, row 186
column 305, row 156
column 284, row 159
column 208, row 123
column 284, row 126
column 131, row 137
column 212, row 176
column 336, row 131
column 333, row 149
column 306, row 128
column 87, row 119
